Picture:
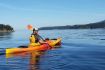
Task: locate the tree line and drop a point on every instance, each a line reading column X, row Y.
column 95, row 25
column 6, row 27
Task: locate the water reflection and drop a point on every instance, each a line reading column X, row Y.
column 33, row 62
column 5, row 35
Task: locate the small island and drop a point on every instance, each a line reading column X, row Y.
column 95, row 25
column 6, row 28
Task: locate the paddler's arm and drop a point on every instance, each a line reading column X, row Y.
column 40, row 37
column 41, row 40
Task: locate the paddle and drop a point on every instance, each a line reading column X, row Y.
column 30, row 27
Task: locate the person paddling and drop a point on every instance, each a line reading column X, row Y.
column 36, row 37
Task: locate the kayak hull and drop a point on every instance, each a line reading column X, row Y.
column 19, row 50
column 42, row 47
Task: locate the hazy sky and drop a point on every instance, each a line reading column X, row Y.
column 20, row 13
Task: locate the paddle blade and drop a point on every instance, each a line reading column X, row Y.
column 29, row 27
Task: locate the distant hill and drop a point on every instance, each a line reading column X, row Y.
column 6, row 28
column 95, row 25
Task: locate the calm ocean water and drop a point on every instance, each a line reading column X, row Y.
column 80, row 50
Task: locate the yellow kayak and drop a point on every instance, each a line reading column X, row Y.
column 36, row 47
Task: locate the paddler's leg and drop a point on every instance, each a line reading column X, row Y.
column 33, row 44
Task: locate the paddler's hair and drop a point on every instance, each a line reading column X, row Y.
column 34, row 29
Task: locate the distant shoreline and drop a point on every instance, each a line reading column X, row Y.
column 5, row 31
column 96, row 25
column 72, row 29
column 6, row 28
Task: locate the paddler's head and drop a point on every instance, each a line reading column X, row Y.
column 35, row 30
